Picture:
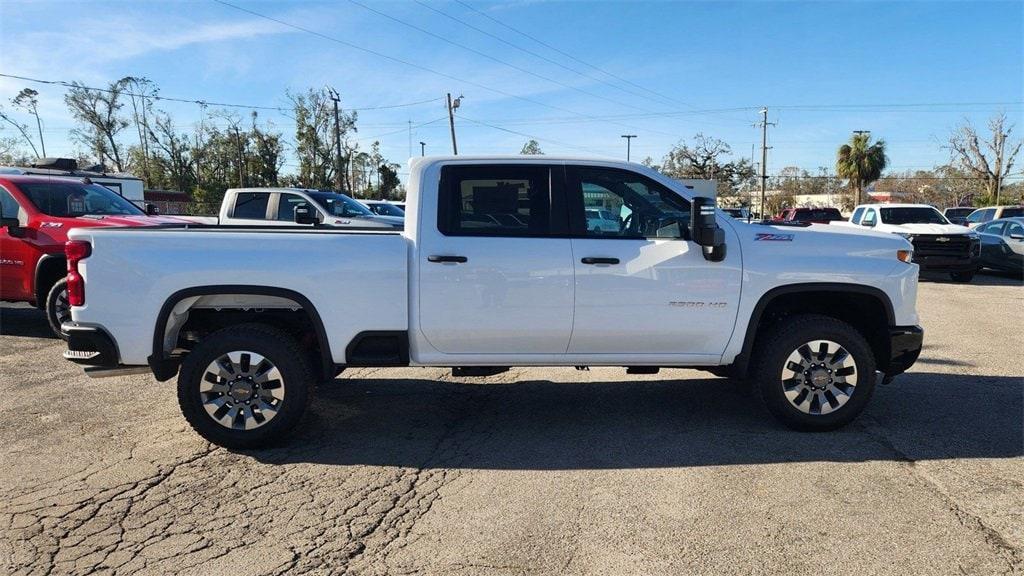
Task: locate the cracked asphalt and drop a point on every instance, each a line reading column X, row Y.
column 536, row 471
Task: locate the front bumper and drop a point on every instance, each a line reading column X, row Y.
column 90, row 346
column 904, row 347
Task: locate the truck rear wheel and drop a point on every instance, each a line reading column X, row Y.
column 245, row 386
column 58, row 310
column 814, row 373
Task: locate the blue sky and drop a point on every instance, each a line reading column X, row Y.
column 661, row 70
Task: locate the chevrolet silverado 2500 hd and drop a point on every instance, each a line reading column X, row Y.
column 497, row 267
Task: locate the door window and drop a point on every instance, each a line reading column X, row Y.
column 993, row 228
column 1014, row 228
column 251, row 205
column 286, row 206
column 624, row 204
column 495, row 201
column 869, row 218
column 9, row 207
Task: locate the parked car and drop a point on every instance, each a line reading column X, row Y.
column 810, row 215
column 938, row 245
column 1002, row 244
column 250, row 319
column 957, row 215
column 989, row 213
column 599, row 220
column 276, row 207
column 383, row 208
column 37, row 212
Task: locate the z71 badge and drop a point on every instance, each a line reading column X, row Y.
column 774, row 237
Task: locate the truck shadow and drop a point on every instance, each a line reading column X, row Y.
column 541, row 425
column 24, row 320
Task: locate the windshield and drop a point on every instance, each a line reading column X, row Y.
column 73, row 199
column 340, row 205
column 914, row 215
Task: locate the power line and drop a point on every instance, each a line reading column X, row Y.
column 531, row 136
column 567, row 55
column 493, row 58
column 419, row 66
column 201, row 102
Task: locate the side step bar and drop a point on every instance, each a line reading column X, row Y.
column 102, row 372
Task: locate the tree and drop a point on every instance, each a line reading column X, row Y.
column 28, row 100
column 990, row 159
column 388, row 180
column 142, row 91
column 861, row 162
column 99, row 112
column 531, row 148
column 314, row 136
column 707, row 159
column 22, row 129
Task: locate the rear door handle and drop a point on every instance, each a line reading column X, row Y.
column 592, row 260
column 458, row 259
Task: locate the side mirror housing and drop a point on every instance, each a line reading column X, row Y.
column 1017, row 236
column 13, row 226
column 152, row 210
column 306, row 214
column 704, row 229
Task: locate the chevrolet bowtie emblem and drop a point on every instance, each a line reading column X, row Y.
column 942, row 239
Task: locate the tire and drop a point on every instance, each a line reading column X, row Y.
column 238, row 392
column 964, row 277
column 57, row 309
column 832, row 391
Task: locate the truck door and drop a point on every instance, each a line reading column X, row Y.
column 495, row 268
column 644, row 288
column 17, row 258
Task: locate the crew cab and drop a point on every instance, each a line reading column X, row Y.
column 811, row 215
column 497, row 267
column 939, row 246
column 989, row 213
column 36, row 213
column 276, row 207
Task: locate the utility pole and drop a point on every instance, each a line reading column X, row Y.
column 764, row 158
column 423, row 148
column 629, row 140
column 241, row 162
column 339, row 182
column 410, row 138
column 999, row 164
column 452, row 106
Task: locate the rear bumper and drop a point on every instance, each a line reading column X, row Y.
column 90, row 346
column 904, row 347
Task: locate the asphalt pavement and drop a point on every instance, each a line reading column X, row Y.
column 534, row 471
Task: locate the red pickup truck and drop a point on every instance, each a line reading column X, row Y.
column 36, row 213
column 809, row 215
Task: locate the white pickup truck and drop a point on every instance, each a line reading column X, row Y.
column 276, row 207
column 939, row 245
column 497, row 267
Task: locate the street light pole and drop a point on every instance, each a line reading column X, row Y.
column 338, row 182
column 629, row 140
column 423, row 148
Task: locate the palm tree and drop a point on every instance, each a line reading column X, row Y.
column 861, row 162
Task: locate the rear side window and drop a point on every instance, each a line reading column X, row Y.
column 1012, row 212
column 251, row 206
column 1014, row 228
column 9, row 207
column 500, row 200
column 856, row 215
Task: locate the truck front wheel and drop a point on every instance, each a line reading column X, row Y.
column 813, row 372
column 244, row 386
column 58, row 310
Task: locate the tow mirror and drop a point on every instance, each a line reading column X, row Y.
column 152, row 210
column 306, row 214
column 704, row 229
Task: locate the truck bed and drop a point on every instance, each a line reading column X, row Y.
column 346, row 274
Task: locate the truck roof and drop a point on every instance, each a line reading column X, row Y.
column 892, row 205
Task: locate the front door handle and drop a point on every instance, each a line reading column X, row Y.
column 592, row 260
column 457, row 259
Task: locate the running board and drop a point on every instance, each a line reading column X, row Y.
column 642, row 369
column 101, row 372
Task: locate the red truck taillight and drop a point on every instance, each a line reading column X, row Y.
column 76, row 251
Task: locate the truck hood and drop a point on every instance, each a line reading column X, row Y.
column 924, row 228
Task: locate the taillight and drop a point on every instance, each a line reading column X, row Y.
column 76, row 251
